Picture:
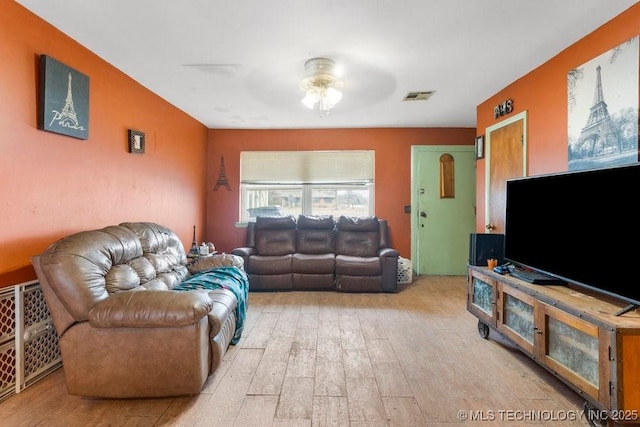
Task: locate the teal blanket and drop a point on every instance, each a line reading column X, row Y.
column 231, row 278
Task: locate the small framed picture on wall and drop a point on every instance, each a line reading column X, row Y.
column 480, row 147
column 136, row 142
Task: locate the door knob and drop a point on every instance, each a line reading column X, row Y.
column 490, row 227
column 423, row 214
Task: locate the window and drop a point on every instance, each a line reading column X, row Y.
column 306, row 182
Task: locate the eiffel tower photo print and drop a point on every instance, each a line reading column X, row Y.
column 603, row 109
column 64, row 99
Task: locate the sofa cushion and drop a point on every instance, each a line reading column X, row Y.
column 160, row 262
column 121, row 277
column 315, row 222
column 164, row 252
column 358, row 266
column 357, row 243
column 276, row 223
column 275, row 242
column 313, row 263
column 352, row 223
column 316, row 241
column 315, row 234
column 275, row 235
column 259, row 264
column 86, row 257
column 158, row 239
column 357, row 236
column 143, row 268
column 156, row 285
column 172, row 278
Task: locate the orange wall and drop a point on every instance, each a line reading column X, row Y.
column 393, row 170
column 543, row 94
column 52, row 185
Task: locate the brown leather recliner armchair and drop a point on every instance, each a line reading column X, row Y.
column 123, row 331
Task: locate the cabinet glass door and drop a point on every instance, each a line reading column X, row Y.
column 482, row 296
column 573, row 349
column 518, row 318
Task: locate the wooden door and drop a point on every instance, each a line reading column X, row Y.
column 505, row 159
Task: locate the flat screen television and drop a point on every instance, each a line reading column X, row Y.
column 582, row 227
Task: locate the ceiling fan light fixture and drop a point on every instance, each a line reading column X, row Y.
column 321, row 86
column 310, row 100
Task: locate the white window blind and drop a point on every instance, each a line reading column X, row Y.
column 307, row 167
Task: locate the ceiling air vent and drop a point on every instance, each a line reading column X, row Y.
column 225, row 70
column 418, row 96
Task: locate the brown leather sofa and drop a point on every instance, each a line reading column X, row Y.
column 349, row 254
column 123, row 331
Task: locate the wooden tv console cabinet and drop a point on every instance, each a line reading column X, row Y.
column 573, row 334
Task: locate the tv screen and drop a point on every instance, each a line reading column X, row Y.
column 582, row 227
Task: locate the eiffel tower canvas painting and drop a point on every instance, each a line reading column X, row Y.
column 603, row 109
column 64, row 99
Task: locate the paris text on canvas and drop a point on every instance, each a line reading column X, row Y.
column 64, row 99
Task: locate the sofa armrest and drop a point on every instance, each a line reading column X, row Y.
column 388, row 252
column 244, row 252
column 389, row 260
column 150, row 309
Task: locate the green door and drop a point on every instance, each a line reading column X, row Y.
column 443, row 208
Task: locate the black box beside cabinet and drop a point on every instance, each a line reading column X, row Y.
column 483, row 246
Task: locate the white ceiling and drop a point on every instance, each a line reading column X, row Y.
column 237, row 64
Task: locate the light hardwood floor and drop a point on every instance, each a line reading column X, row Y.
column 413, row 358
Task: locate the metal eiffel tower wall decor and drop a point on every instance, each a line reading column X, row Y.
column 603, row 109
column 63, row 99
column 222, row 178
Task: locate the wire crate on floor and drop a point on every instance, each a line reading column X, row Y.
column 28, row 341
column 7, row 343
column 405, row 271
